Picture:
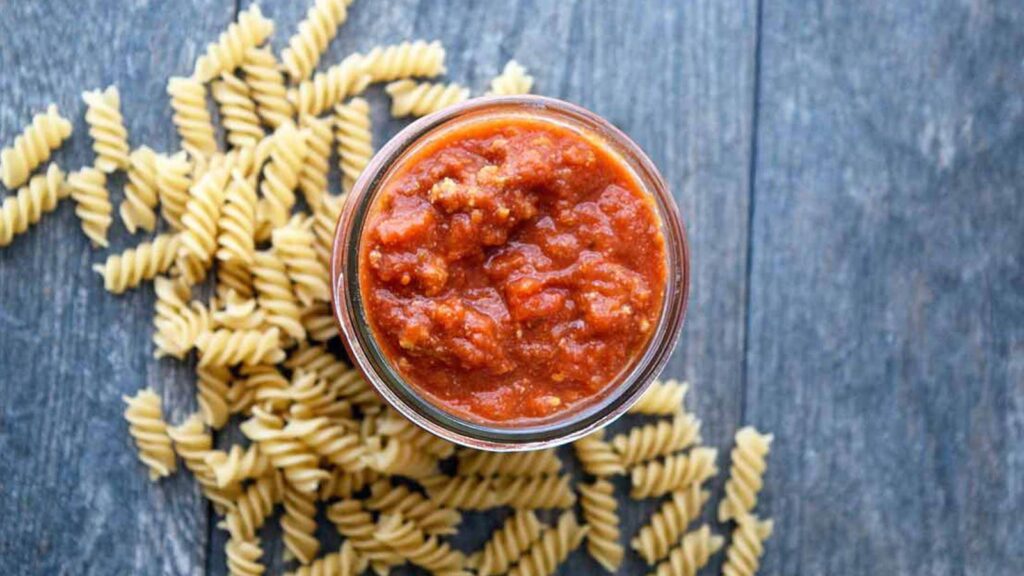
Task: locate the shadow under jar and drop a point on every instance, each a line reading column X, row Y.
column 510, row 273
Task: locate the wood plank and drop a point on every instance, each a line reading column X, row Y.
column 74, row 497
column 886, row 343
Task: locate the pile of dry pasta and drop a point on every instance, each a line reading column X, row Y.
column 233, row 219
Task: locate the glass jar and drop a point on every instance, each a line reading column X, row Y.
column 573, row 423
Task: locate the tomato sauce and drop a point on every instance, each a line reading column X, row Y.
column 512, row 268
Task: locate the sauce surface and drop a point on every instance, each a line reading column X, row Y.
column 511, row 268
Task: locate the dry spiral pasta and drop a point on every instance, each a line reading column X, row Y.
column 314, row 34
column 597, row 457
column 191, row 118
column 33, row 200
column 410, row 98
column 267, row 88
column 552, row 549
column 507, row 544
column 357, row 526
column 237, row 312
column 106, row 126
column 243, row 557
column 193, row 443
column 344, row 562
column 462, row 492
column 325, row 218
column 666, row 526
column 251, row 30
column 397, row 426
column 662, row 398
column 92, row 203
column 230, row 347
column 531, row 463
column 294, row 245
column 178, row 322
column 33, row 146
column 400, row 459
column 344, row 484
column 237, row 111
column 312, row 396
column 644, row 443
column 429, row 517
column 144, row 262
column 402, row 536
column 212, row 384
column 237, row 465
column 140, row 192
column 281, row 175
column 538, row 492
column 254, row 506
column 275, row 295
column 313, row 178
column 743, row 557
column 405, row 60
column 199, row 238
column 512, row 80
column 318, row 320
column 746, row 473
column 691, row 555
column 298, row 524
column 346, row 383
column 294, row 458
column 330, row 441
column 600, row 510
column 675, row 472
column 355, row 139
column 325, row 89
column 146, row 425
column 236, row 236
column 173, row 179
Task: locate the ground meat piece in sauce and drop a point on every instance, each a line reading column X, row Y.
column 512, row 269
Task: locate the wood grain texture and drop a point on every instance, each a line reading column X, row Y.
column 886, row 340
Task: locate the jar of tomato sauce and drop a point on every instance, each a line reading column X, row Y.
column 510, row 273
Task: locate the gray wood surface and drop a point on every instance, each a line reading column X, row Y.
column 850, row 175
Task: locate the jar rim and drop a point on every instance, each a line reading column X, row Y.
column 561, row 428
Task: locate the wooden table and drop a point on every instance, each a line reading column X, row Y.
column 852, row 177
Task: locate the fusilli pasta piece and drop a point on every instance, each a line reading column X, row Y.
column 357, row 526
column 344, row 484
column 329, row 440
column 237, row 111
column 313, row 178
column 463, row 492
column 199, row 238
column 234, row 277
column 212, row 384
column 397, row 426
column 538, row 492
column 33, row 200
column 238, row 313
column 194, row 443
column 507, row 544
column 597, row 456
column 429, row 517
column 401, row 459
column 178, row 322
column 243, row 557
column 254, row 506
column 355, row 139
column 532, row 463
column 654, row 541
column 405, row 60
column 251, row 30
column 266, row 83
column 33, row 146
column 345, row 562
column 92, row 203
column 275, row 295
column 294, row 245
column 600, row 510
column 325, row 219
column 281, row 175
column 314, row 34
column 128, row 269
column 746, row 473
column 140, row 192
column 230, row 347
column 146, row 424
column 298, row 524
column 512, row 80
column 325, row 89
column 662, row 398
column 644, row 443
column 191, row 118
column 293, row 457
column 106, row 126
column 238, row 464
column 691, row 555
column 552, row 549
column 318, row 320
column 345, row 382
column 676, row 472
column 173, row 179
column 236, row 237
column 410, row 98
column 402, row 536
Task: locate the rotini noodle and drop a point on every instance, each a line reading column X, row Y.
column 537, row 492
column 344, row 484
column 128, row 269
column 600, row 510
column 330, row 441
column 462, row 492
column 191, row 118
column 357, row 526
column 396, row 426
column 345, row 562
column 254, row 506
column 251, row 30
column 691, row 555
column 298, row 524
column 212, row 384
column 667, row 526
column 552, row 549
column 237, row 111
column 236, row 237
column 659, row 477
column 234, row 277
column 237, row 465
column 173, row 179
column 409, row 98
column 106, row 126
column 314, row 34
column 230, row 347
column 199, row 238
column 281, row 175
column 746, row 473
column 644, row 443
column 92, row 203
column 512, row 80
column 313, row 178
column 294, row 245
column 532, row 463
column 193, row 443
column 33, row 146
column 243, row 557
column 266, row 83
column 428, row 516
column 294, row 458
column 355, row 139
column 140, row 192
column 318, row 320
column 38, row 197
column 400, row 459
column 325, row 218
column 317, row 95
column 507, row 544
column 662, row 398
column 238, row 313
column 402, row 536
column 178, row 322
column 405, row 60
column 597, row 457
column 275, row 295
column 146, row 424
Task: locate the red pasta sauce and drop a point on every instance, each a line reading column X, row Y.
column 512, row 268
